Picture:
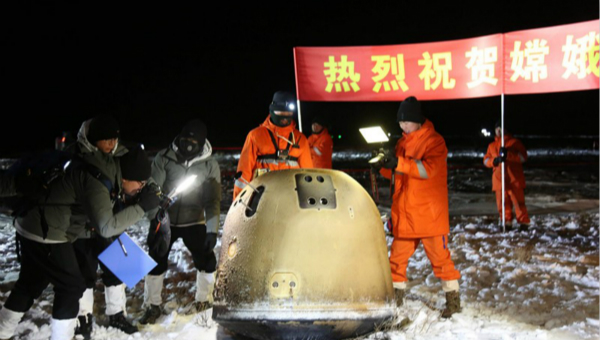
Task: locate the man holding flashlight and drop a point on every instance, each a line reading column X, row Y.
column 194, row 216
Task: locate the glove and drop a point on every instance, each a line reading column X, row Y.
column 503, row 153
column 390, row 163
column 159, row 235
column 498, row 160
column 148, row 198
column 209, row 242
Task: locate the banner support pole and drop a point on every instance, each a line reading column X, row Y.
column 502, row 136
column 297, row 92
column 503, row 180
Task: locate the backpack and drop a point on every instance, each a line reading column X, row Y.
column 34, row 175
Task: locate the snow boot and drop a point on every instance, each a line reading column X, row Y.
column 115, row 299
column 153, row 285
column 452, row 304
column 86, row 303
column 399, row 294
column 84, row 326
column 205, row 285
column 9, row 320
column 119, row 321
column 151, row 314
column 63, row 329
column 199, row 306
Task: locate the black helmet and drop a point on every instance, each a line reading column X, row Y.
column 283, row 101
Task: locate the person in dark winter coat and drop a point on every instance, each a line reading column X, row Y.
column 98, row 147
column 47, row 231
column 194, row 216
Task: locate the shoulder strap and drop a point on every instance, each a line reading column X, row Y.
column 96, row 173
column 273, row 140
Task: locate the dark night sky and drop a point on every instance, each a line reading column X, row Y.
column 154, row 68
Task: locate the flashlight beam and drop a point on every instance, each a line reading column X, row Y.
column 183, row 186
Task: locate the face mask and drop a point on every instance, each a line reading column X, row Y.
column 277, row 120
column 187, row 147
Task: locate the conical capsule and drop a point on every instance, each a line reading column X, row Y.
column 303, row 255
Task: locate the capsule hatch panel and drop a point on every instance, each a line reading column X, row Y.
column 315, row 191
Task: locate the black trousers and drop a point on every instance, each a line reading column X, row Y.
column 193, row 237
column 42, row 264
column 87, row 251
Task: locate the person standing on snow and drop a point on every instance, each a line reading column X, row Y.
column 418, row 172
column 99, row 148
column 321, row 144
column 47, row 231
column 275, row 145
column 513, row 156
column 194, row 216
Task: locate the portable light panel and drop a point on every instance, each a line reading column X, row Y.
column 374, row 134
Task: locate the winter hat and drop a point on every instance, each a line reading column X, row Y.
column 410, row 111
column 320, row 120
column 101, row 128
column 196, row 130
column 135, row 165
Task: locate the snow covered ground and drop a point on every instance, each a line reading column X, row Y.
column 537, row 283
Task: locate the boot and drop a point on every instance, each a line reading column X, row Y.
column 9, row 320
column 84, row 326
column 199, row 306
column 119, row 321
column 400, row 294
column 205, row 284
column 63, row 329
column 151, row 314
column 153, row 285
column 86, row 302
column 452, row 304
column 115, row 299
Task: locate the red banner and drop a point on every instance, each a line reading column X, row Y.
column 554, row 59
column 561, row 58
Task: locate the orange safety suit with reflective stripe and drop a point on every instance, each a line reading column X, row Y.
column 516, row 155
column 321, row 149
column 259, row 151
column 420, row 203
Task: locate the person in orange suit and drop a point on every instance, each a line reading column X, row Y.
column 321, row 144
column 418, row 172
column 513, row 156
column 275, row 145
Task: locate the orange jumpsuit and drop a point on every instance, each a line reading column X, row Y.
column 513, row 177
column 321, row 149
column 259, row 154
column 420, row 203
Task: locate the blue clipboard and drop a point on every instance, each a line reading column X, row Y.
column 127, row 260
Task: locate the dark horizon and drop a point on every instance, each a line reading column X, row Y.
column 154, row 69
